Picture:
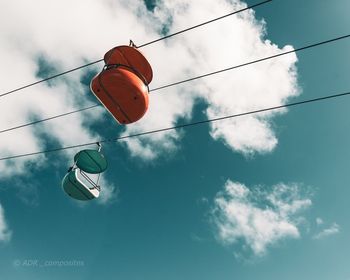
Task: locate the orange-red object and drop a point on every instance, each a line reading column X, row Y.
column 122, row 86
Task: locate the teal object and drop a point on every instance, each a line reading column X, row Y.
column 76, row 188
column 91, row 161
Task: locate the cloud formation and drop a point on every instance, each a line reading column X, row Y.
column 5, row 233
column 233, row 41
column 109, row 192
column 257, row 218
column 328, row 231
column 319, row 221
column 40, row 43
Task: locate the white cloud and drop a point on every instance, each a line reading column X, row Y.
column 257, row 217
column 223, row 44
column 5, row 233
column 319, row 221
column 40, row 30
column 109, row 192
column 332, row 230
column 67, row 34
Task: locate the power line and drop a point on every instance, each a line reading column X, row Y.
column 253, row 62
column 205, row 23
column 50, row 78
column 143, row 45
column 49, row 118
column 186, row 125
column 191, row 79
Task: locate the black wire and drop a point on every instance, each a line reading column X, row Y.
column 252, row 62
column 50, row 78
column 50, row 118
column 204, row 23
column 186, row 125
column 194, row 78
column 143, row 45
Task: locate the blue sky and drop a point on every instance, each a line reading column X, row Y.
column 176, row 205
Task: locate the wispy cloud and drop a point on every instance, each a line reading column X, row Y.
column 109, row 192
column 5, row 232
column 258, row 218
column 331, row 230
column 319, row 221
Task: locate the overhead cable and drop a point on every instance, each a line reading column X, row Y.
column 140, row 46
column 190, row 79
column 185, row 125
